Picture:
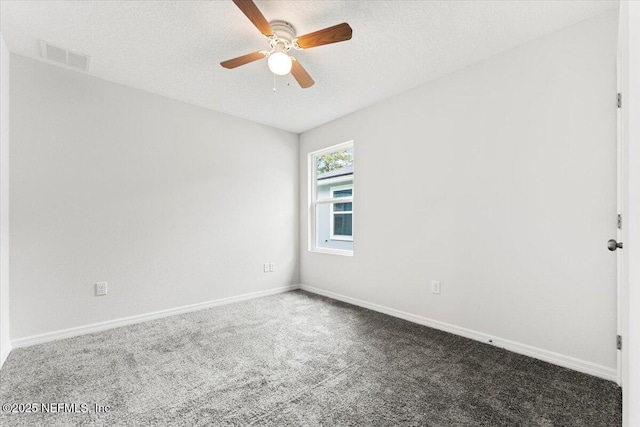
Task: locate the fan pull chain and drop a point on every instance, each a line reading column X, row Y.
column 274, row 82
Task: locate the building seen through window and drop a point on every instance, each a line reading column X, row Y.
column 333, row 200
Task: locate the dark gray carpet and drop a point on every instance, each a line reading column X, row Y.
column 296, row 359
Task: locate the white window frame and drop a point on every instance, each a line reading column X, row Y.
column 332, row 213
column 313, row 201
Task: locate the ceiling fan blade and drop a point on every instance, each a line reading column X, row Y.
column 337, row 33
column 300, row 74
column 241, row 60
column 249, row 8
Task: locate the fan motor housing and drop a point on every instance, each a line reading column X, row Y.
column 283, row 31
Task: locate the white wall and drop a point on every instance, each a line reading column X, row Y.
column 5, row 343
column 169, row 203
column 503, row 188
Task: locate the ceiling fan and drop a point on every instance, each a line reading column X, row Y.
column 282, row 38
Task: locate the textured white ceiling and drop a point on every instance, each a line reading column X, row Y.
column 173, row 48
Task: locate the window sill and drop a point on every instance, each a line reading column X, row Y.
column 341, row 252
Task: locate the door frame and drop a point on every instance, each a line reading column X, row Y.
column 629, row 50
column 621, row 179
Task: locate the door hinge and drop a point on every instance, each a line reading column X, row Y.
column 620, row 221
column 619, row 342
column 619, row 100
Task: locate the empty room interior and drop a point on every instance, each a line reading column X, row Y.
column 202, row 221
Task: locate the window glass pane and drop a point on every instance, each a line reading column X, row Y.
column 332, row 174
column 342, row 225
column 341, row 207
column 338, row 161
column 325, row 229
column 334, row 170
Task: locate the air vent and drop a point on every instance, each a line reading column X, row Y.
column 77, row 61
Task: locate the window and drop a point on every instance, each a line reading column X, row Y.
column 331, row 200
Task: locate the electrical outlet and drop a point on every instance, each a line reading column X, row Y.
column 272, row 267
column 265, row 267
column 101, row 288
column 435, row 287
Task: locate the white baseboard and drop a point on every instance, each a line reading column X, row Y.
column 110, row 324
column 527, row 350
column 5, row 353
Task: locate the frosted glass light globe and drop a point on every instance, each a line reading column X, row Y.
column 279, row 63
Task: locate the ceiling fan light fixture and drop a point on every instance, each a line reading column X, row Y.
column 280, row 63
column 281, row 36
